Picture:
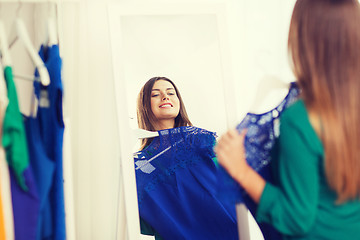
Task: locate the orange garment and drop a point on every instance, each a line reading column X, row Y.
column 2, row 223
column 6, row 202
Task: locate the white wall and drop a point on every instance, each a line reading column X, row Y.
column 90, row 106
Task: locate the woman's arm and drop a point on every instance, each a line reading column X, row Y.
column 291, row 206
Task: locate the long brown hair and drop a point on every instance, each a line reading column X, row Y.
column 324, row 45
column 146, row 118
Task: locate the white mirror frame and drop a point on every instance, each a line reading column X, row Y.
column 130, row 223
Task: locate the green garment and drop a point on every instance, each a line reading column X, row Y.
column 302, row 206
column 14, row 138
column 146, row 229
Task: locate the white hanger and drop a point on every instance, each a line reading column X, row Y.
column 5, row 55
column 51, row 31
column 4, row 101
column 52, row 37
column 141, row 133
column 24, row 37
column 270, row 92
column 6, row 60
column 21, row 33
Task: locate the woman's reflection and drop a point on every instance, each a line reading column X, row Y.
column 176, row 172
column 160, row 106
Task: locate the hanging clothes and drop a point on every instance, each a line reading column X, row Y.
column 262, row 131
column 7, row 224
column 23, row 190
column 2, row 220
column 48, row 129
column 6, row 196
column 176, row 186
column 13, row 133
column 43, row 168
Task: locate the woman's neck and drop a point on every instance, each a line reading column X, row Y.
column 165, row 124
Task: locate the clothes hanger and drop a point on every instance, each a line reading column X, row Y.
column 3, row 88
column 52, row 36
column 141, row 133
column 22, row 34
column 138, row 133
column 271, row 89
column 270, row 92
column 5, row 55
column 6, row 60
column 52, row 33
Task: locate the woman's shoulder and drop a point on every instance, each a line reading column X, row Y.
column 295, row 120
column 296, row 110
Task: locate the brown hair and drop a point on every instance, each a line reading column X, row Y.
column 146, row 118
column 324, row 45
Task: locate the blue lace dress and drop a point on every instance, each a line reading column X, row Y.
column 177, row 187
column 262, row 130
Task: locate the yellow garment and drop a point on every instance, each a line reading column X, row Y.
column 6, row 202
column 2, row 223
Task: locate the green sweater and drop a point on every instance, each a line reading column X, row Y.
column 301, row 205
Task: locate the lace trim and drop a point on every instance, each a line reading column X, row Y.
column 262, row 131
column 174, row 149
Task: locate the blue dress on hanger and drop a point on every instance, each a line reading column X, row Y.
column 262, row 130
column 176, row 185
column 43, row 168
column 50, row 117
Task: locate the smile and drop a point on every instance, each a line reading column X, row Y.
column 166, row 105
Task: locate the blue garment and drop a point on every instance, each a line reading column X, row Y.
column 43, row 169
column 25, row 206
column 176, row 185
column 50, row 117
column 24, row 194
column 262, row 130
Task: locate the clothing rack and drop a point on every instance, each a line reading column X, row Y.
column 67, row 163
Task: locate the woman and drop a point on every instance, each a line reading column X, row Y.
column 316, row 158
column 175, row 172
column 160, row 106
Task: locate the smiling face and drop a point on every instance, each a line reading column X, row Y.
column 165, row 104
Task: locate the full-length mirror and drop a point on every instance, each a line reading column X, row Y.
column 184, row 44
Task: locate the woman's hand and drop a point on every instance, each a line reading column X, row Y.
column 231, row 154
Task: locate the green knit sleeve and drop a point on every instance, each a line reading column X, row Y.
column 291, row 206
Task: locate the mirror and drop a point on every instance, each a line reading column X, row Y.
column 186, row 43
